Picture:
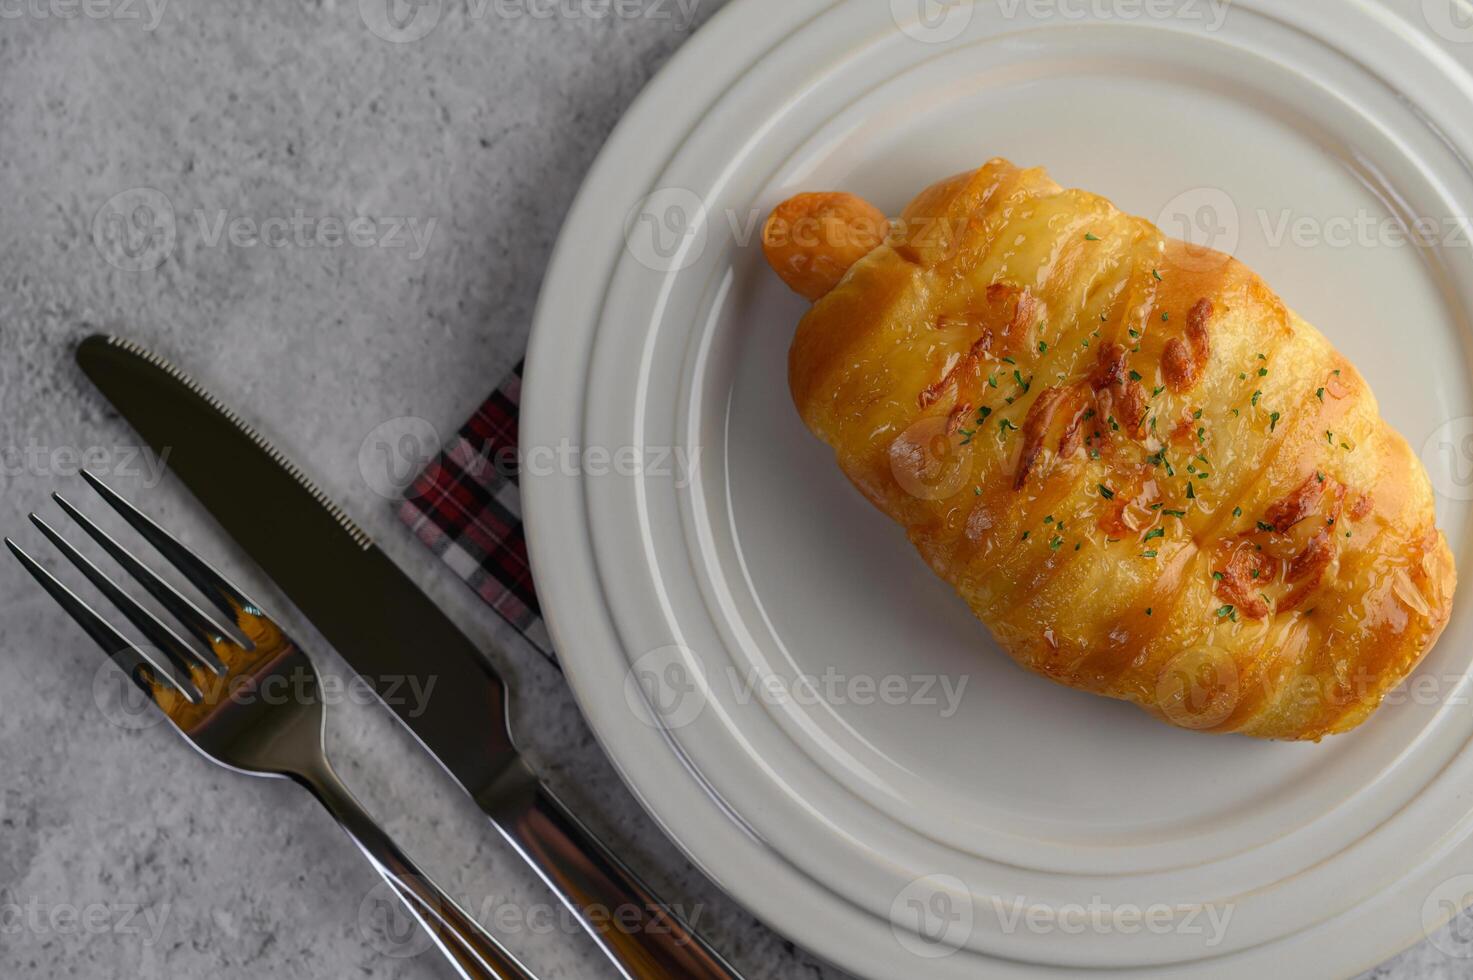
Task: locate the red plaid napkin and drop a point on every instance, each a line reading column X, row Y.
column 466, row 507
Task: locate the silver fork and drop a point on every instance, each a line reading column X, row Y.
column 215, row 692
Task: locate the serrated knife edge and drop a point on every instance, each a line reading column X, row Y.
column 281, row 459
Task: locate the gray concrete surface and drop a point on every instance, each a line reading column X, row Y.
column 122, row 854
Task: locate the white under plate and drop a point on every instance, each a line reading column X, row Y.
column 838, row 742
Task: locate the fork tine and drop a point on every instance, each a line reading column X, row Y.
column 194, row 619
column 139, row 667
column 216, row 587
column 180, row 654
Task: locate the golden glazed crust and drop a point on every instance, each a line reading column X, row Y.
column 1148, row 476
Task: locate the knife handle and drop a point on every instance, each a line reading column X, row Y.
column 644, row 937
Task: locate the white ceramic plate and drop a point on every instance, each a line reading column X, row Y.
column 833, row 738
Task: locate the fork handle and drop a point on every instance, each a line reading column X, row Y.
column 475, row 953
column 643, row 937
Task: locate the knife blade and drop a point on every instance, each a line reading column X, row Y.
column 391, row 633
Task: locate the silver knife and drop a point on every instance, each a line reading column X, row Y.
column 390, row 632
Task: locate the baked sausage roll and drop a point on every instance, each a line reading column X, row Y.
column 1141, row 470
